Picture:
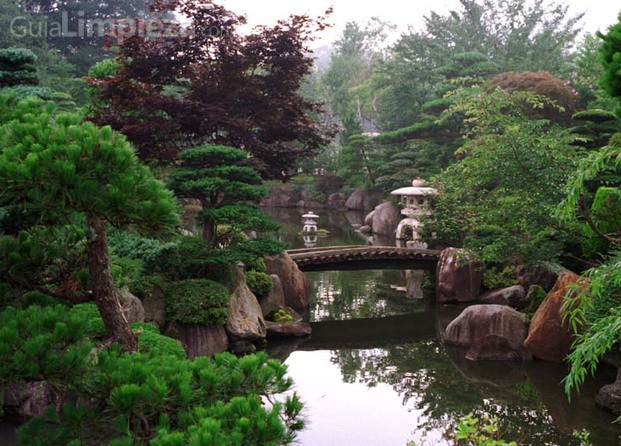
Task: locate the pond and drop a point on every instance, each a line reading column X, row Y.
column 375, row 372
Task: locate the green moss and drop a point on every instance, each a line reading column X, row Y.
column 202, row 302
column 281, row 316
column 261, row 284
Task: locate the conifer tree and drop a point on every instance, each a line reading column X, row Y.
column 60, row 166
column 227, row 189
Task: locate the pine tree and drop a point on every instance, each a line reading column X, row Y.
column 227, row 189
column 57, row 166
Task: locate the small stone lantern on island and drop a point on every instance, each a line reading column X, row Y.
column 310, row 222
column 415, row 204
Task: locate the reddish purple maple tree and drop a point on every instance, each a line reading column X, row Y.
column 209, row 83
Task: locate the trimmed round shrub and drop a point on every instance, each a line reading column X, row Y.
column 152, row 341
column 202, row 302
column 189, row 258
column 259, row 283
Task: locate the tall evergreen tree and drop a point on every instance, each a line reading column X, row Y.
column 59, row 166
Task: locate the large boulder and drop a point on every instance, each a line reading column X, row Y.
column 336, row 200
column 32, row 398
column 384, row 219
column 364, row 199
column 549, row 338
column 514, row 297
column 544, row 275
column 154, row 304
column 245, row 321
column 284, row 330
column 609, row 396
column 496, row 331
column 283, row 198
column 295, row 284
column 493, row 347
column 275, row 299
column 458, row 276
column 132, row 306
column 199, row 340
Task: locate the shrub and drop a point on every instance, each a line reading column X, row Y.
column 189, row 258
column 281, row 316
column 133, row 246
column 152, row 341
column 261, row 284
column 495, row 278
column 255, row 264
column 202, row 302
column 328, row 183
column 544, row 84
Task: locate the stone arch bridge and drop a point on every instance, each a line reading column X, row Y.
column 363, row 257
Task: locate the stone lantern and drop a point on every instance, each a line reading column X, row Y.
column 415, row 203
column 310, row 222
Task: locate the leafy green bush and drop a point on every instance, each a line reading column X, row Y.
column 132, row 246
column 281, row 316
column 189, row 258
column 202, row 302
column 150, row 340
column 255, row 264
column 261, row 284
column 495, row 277
column 24, row 91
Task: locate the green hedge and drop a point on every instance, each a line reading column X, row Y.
column 261, row 284
column 202, row 302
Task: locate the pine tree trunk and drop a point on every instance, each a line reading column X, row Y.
column 209, row 232
column 104, row 293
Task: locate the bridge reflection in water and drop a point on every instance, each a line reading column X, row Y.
column 370, row 333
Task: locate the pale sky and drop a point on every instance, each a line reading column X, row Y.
column 599, row 13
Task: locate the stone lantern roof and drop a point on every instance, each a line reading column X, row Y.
column 419, row 188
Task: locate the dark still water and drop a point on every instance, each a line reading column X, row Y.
column 374, row 372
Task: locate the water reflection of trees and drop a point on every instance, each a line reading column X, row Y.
column 339, row 295
column 444, row 387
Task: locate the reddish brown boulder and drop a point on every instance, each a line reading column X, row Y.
column 496, row 348
column 198, row 340
column 362, row 200
column 245, row 320
column 549, row 338
column 478, row 321
column 274, row 300
column 544, row 275
column 280, row 330
column 609, row 396
column 384, row 219
column 30, row 399
column 513, row 296
column 458, row 277
column 294, row 283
